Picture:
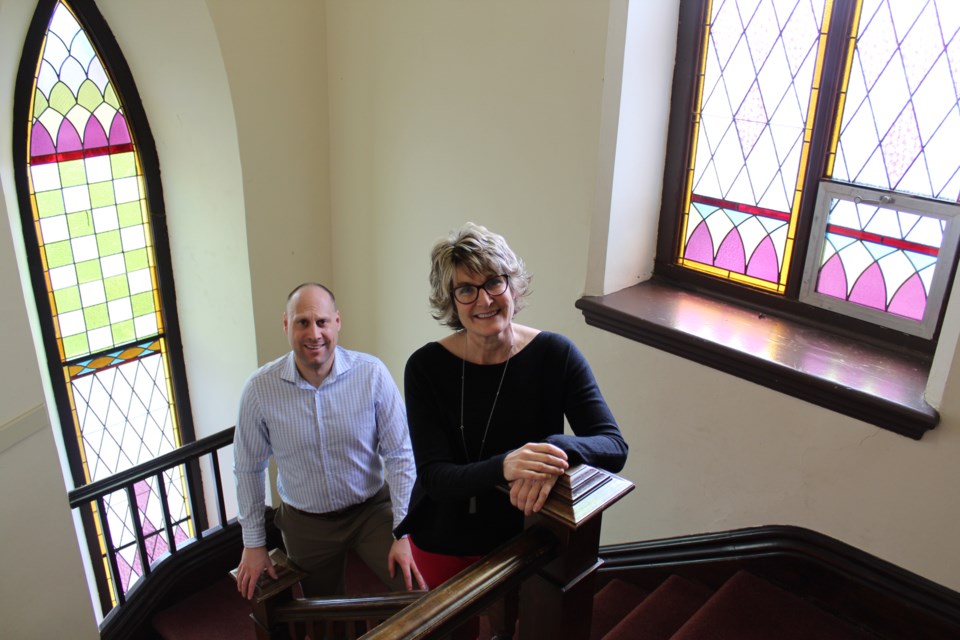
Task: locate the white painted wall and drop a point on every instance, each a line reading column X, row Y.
column 337, row 141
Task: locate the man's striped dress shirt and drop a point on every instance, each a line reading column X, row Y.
column 332, row 444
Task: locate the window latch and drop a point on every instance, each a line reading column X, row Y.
column 883, row 201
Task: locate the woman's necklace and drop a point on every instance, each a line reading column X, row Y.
column 486, row 430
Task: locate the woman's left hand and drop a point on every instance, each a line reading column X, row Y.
column 529, row 495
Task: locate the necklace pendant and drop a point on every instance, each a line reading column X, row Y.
column 473, row 505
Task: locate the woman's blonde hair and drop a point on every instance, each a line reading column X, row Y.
column 479, row 251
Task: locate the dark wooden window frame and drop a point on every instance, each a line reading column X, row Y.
column 102, row 38
column 876, row 375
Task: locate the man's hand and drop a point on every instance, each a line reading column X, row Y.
column 254, row 562
column 530, row 495
column 535, row 461
column 400, row 556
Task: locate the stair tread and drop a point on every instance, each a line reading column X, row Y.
column 611, row 603
column 663, row 612
column 217, row 612
column 747, row 607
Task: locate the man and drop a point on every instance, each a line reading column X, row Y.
column 334, row 421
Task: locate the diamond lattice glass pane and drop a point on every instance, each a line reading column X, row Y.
column 763, row 60
column 880, row 258
column 124, row 415
column 901, row 115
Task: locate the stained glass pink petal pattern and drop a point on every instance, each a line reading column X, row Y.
column 764, row 263
column 880, row 258
column 761, row 65
column 730, row 256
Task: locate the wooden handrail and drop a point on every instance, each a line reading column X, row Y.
column 93, row 501
column 178, row 456
column 471, row 591
column 552, row 562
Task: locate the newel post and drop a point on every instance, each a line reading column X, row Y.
column 557, row 601
column 271, row 593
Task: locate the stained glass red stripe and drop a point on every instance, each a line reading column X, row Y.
column 86, row 153
column 738, row 206
column 884, row 240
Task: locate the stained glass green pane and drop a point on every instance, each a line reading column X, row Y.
column 116, row 287
column 49, row 203
column 74, row 346
column 58, row 254
column 62, row 99
column 130, row 214
column 96, row 316
column 88, row 271
column 39, row 104
column 901, row 117
column 142, row 304
column 123, row 332
column 123, row 165
column 80, row 223
column 72, row 173
column 109, row 243
column 67, row 299
column 101, row 194
column 89, row 96
column 136, row 259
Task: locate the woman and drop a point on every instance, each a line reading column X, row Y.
column 486, row 405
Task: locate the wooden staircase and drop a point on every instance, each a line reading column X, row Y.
column 744, row 608
column 769, row 583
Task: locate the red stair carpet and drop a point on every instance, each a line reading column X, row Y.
column 219, row 612
column 746, row 607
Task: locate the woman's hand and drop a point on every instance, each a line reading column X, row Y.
column 535, row 461
column 530, row 495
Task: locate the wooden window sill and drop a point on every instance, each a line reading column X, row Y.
column 860, row 380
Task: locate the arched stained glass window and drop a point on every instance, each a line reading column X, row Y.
column 92, row 209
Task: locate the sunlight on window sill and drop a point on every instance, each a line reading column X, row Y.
column 855, row 379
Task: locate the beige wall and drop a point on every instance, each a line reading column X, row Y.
column 336, row 141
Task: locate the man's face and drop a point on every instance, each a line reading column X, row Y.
column 312, row 325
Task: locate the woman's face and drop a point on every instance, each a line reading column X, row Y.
column 488, row 315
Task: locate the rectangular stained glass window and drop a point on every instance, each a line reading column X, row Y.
column 884, row 237
column 755, row 102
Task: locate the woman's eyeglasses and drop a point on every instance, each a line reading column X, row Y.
column 468, row 293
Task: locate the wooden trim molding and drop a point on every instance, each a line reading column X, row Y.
column 23, row 426
column 837, row 577
column 878, row 385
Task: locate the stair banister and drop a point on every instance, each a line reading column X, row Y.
column 552, row 561
column 559, row 546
